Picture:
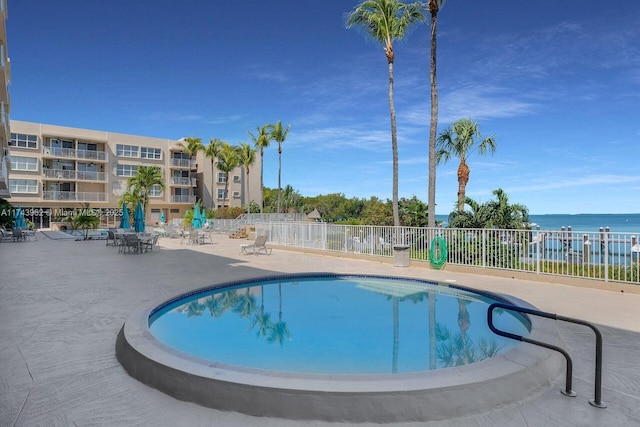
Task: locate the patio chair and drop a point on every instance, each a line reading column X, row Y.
column 111, row 238
column 259, row 245
column 5, row 235
column 131, row 244
column 17, row 235
column 148, row 244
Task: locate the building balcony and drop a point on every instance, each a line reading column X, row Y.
column 74, row 196
column 183, row 164
column 71, row 175
column 4, row 177
column 70, row 153
column 183, row 181
column 183, row 199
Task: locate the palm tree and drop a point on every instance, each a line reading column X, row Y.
column 434, row 7
column 477, row 217
column 278, row 134
column 190, row 146
column 504, row 215
column 386, row 21
column 139, row 185
column 84, row 219
column 212, row 151
column 261, row 141
column 247, row 157
column 458, row 140
column 227, row 161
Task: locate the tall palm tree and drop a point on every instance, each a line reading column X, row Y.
column 278, row 134
column 261, row 140
column 139, row 185
column 190, row 146
column 459, row 140
column 228, row 160
column 386, row 21
column 247, row 156
column 212, row 151
column 434, row 7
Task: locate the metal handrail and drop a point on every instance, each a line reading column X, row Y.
column 597, row 402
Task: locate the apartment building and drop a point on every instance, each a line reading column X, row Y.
column 54, row 169
column 5, row 78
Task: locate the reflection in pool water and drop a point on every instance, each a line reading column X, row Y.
column 336, row 325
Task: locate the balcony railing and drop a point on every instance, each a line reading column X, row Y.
column 180, row 181
column 4, row 173
column 70, row 153
column 74, row 196
column 92, row 155
column 61, row 174
column 183, row 199
column 183, row 163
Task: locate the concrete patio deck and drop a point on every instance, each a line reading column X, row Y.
column 62, row 304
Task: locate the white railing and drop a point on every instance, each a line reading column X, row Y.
column 180, row 181
column 183, row 199
column 600, row 255
column 74, row 175
column 74, row 196
column 183, row 163
column 92, row 155
column 49, row 151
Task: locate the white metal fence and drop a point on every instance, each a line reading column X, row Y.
column 600, row 255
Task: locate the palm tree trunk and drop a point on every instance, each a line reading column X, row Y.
column 248, row 198
column 394, row 148
column 433, row 127
column 262, row 180
column 279, row 174
column 463, row 179
column 213, row 199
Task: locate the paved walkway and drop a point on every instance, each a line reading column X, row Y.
column 62, row 304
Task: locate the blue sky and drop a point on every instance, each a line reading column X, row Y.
column 556, row 82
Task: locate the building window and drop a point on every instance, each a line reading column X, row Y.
column 155, row 191
column 23, row 186
column 127, row 150
column 236, row 178
column 125, row 170
column 236, row 194
column 23, row 140
column 88, row 146
column 222, row 177
column 221, row 194
column 24, row 163
column 180, row 156
column 150, row 153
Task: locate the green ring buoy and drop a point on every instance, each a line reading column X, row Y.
column 438, row 252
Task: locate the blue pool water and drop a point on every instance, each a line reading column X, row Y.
column 336, row 325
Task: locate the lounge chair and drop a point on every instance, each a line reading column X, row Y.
column 256, row 247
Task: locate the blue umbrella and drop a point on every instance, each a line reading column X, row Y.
column 196, row 221
column 18, row 219
column 138, row 219
column 124, row 221
column 162, row 219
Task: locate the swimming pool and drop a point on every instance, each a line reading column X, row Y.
column 336, row 348
column 335, row 325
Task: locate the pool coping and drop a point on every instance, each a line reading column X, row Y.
column 512, row 377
